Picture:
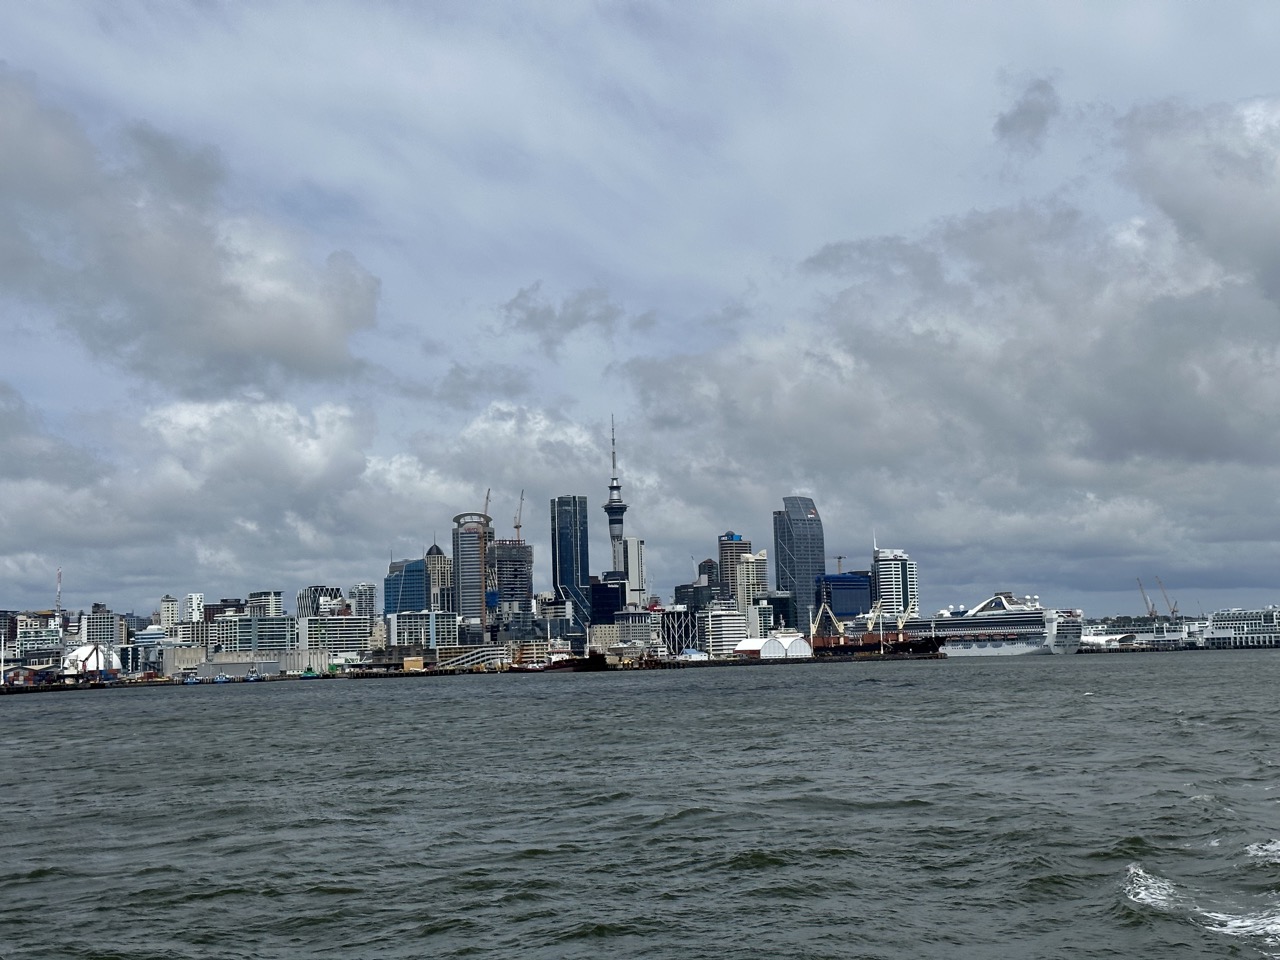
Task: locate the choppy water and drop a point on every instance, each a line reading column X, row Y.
column 1105, row 806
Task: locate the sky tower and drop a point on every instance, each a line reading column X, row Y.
column 615, row 508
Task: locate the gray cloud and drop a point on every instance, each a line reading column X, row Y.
column 531, row 313
column 1022, row 128
column 135, row 256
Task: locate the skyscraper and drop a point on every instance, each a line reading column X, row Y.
column 799, row 550
column 512, row 564
column 633, row 567
column 439, row 579
column 732, row 546
column 751, row 578
column 472, row 534
column 893, row 579
column 570, row 560
column 405, row 588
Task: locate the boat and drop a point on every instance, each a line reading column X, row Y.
column 190, row 680
column 222, row 678
column 1001, row 626
column 252, row 676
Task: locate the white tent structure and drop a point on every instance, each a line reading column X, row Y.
column 779, row 645
column 90, row 658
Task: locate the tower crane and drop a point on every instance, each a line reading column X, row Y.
column 485, row 511
column 1146, row 601
column 519, row 512
column 1173, row 607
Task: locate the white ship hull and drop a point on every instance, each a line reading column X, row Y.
column 1005, row 648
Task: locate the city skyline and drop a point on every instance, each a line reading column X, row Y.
column 996, row 285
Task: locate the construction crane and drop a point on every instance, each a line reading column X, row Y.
column 839, row 563
column 1173, row 607
column 1146, row 601
column 485, row 511
column 519, row 512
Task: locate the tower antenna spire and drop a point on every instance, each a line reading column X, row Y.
column 613, row 446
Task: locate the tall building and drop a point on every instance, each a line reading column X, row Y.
column 751, row 578
column 364, row 600
column 614, row 507
column 711, row 570
column 512, row 564
column 169, row 615
column 405, row 586
column 799, row 550
column 893, row 579
column 472, row 534
column 633, row 568
column 193, row 611
column 732, row 546
column 570, row 554
column 439, row 579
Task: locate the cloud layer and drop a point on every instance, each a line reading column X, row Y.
column 298, row 322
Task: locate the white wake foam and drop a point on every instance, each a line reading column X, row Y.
column 1269, row 850
column 1151, row 890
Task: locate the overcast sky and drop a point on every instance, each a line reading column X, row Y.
column 286, row 286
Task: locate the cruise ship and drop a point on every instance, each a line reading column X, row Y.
column 1002, row 626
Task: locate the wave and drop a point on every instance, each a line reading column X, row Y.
column 1262, row 926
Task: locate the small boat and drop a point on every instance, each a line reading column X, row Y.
column 190, row 680
column 222, row 678
column 252, row 676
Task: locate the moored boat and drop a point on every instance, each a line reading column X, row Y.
column 1001, row 626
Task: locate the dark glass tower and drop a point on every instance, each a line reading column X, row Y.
column 570, row 560
column 405, row 588
column 799, row 550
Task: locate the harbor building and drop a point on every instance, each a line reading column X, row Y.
column 405, row 586
column 424, row 628
column 894, row 580
column 799, row 550
column 731, row 547
column 439, row 579
column 721, row 627
column 335, row 634
column 472, row 534
column 237, row 633
column 570, row 553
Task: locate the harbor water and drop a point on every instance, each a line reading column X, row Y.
column 1035, row 807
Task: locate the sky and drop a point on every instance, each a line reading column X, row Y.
column 284, row 287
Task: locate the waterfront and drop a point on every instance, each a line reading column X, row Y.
column 1022, row 807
